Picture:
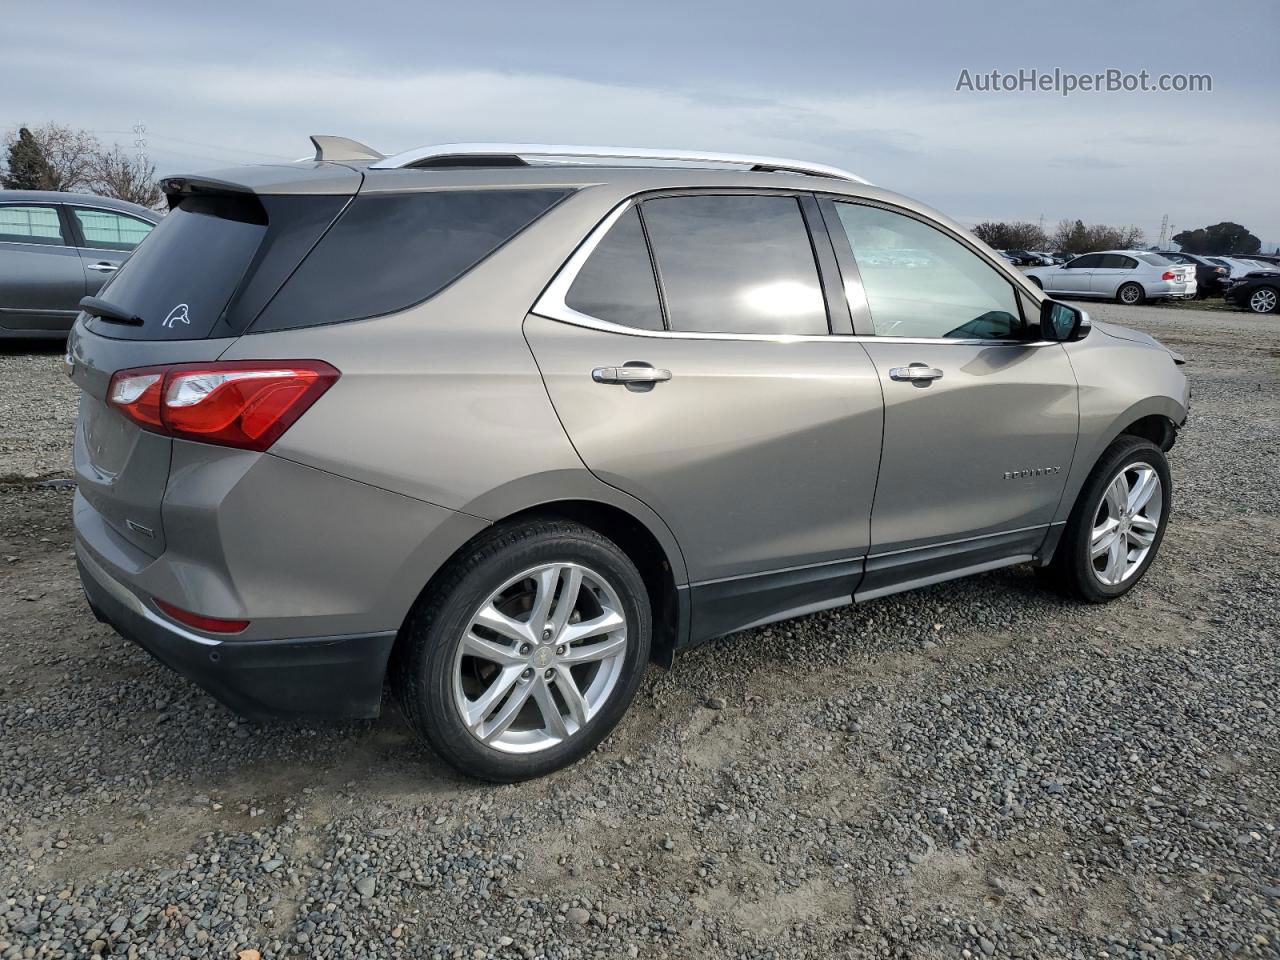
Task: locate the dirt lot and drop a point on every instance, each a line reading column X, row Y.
column 978, row 769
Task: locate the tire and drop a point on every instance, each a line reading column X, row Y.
column 1036, row 281
column 1131, row 294
column 1073, row 570
column 1264, row 300
column 436, row 676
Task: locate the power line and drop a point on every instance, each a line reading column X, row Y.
column 194, row 143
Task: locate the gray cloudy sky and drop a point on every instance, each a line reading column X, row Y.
column 866, row 86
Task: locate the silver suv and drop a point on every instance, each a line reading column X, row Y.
column 502, row 423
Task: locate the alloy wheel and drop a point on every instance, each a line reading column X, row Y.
column 539, row 658
column 1130, row 294
column 1126, row 523
column 1263, row 301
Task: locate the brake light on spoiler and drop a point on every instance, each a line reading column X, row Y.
column 246, row 404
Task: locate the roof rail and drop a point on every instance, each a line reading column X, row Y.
column 514, row 154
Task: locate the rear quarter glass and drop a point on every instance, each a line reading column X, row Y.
column 212, row 263
column 388, row 252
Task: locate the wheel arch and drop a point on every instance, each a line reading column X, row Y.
column 1154, row 418
column 655, row 555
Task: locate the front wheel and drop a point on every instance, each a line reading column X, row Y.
column 1117, row 524
column 1131, row 294
column 1264, row 300
column 526, row 652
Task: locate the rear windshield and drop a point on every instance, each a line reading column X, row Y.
column 180, row 278
column 388, row 252
column 212, row 263
column 1154, row 259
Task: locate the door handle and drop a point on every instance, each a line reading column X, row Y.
column 915, row 372
column 630, row 374
column 103, row 267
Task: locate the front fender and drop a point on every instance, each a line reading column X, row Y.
column 1121, row 381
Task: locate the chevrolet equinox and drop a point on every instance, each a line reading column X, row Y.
column 498, row 424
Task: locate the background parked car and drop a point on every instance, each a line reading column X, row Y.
column 1259, row 292
column 1237, row 266
column 1130, row 276
column 1209, row 276
column 1031, row 258
column 56, row 248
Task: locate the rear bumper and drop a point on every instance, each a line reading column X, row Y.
column 1171, row 289
column 258, row 679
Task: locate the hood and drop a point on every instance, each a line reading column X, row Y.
column 1135, row 336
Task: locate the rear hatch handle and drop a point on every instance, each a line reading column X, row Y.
column 105, row 310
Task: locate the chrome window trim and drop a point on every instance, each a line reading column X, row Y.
column 44, row 246
column 77, row 203
column 551, row 306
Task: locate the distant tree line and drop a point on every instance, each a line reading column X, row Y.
column 1075, row 236
column 1014, row 235
column 1226, row 238
column 55, row 157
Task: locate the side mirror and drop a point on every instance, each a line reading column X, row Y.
column 1063, row 323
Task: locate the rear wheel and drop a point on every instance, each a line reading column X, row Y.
column 1264, row 300
column 1036, row 281
column 1131, row 294
column 1117, row 524
column 527, row 651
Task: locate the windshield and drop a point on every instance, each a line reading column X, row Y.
column 1154, row 259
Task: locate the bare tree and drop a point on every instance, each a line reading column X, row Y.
column 1072, row 236
column 116, row 174
column 1015, row 235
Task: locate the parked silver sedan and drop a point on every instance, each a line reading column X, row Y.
column 1129, row 276
column 56, row 248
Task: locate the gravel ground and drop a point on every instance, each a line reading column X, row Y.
column 976, row 769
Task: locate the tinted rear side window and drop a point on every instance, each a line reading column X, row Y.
column 388, row 252
column 736, row 264
column 616, row 283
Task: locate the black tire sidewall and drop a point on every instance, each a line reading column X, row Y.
column 1076, row 564
column 428, row 675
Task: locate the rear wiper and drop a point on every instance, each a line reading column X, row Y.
column 97, row 307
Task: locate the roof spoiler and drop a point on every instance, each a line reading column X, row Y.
column 342, row 148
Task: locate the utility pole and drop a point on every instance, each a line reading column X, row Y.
column 1164, row 231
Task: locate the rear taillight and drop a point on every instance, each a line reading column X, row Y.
column 200, row 622
column 1169, row 275
column 239, row 403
